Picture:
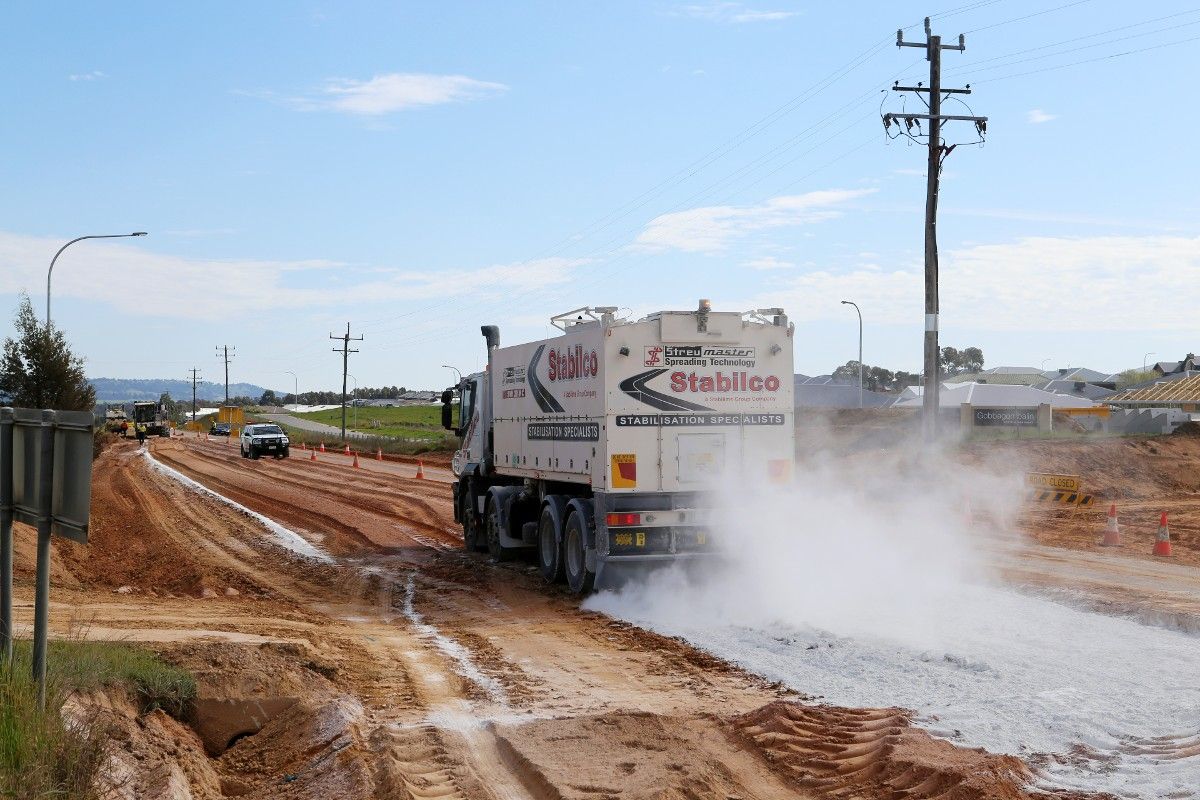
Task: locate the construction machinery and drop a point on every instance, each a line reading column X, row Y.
column 602, row 448
column 153, row 416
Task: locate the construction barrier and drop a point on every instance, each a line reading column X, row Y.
column 1067, row 498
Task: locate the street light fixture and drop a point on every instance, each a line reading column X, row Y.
column 1144, row 360
column 860, row 363
column 457, row 373
column 50, row 271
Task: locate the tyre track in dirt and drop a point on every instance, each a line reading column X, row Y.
column 357, row 490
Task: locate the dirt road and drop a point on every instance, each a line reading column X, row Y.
column 406, row 668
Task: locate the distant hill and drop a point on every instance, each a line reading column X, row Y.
column 124, row 390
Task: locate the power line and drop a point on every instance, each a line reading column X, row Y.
column 195, row 376
column 346, row 351
column 223, row 352
column 1029, row 16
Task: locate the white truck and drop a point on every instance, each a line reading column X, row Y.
column 600, row 448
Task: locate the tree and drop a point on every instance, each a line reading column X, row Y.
column 878, row 379
column 959, row 362
column 172, row 409
column 38, row 369
column 268, row 398
column 849, row 372
column 1130, row 377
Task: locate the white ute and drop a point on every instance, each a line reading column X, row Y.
column 264, row 440
column 600, row 447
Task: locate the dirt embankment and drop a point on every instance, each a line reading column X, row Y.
column 1143, row 476
column 409, row 668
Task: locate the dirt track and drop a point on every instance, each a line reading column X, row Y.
column 419, row 670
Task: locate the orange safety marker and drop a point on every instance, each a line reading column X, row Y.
column 356, row 460
column 1162, row 540
column 313, row 457
column 346, row 449
column 420, row 470
column 379, row 454
column 1112, row 534
column 322, row 447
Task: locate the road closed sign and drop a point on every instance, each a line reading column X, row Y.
column 1051, row 480
column 1006, row 416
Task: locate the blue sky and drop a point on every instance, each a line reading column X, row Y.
column 419, row 169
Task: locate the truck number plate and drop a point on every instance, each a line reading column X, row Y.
column 626, row 539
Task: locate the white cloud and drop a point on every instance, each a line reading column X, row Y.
column 767, row 263
column 727, row 11
column 212, row 289
column 1103, row 283
column 711, row 229
column 94, row 75
column 1037, row 116
column 392, row 92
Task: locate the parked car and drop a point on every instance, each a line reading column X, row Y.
column 264, row 439
column 220, row 429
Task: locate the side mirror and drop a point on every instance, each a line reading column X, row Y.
column 447, row 410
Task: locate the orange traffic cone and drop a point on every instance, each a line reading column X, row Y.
column 420, row 470
column 313, row 457
column 379, row 454
column 1162, row 541
column 1112, row 534
column 322, row 447
column 346, row 449
column 356, row 460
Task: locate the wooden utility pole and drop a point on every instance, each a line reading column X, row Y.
column 346, row 351
column 224, row 349
column 195, row 375
column 938, row 150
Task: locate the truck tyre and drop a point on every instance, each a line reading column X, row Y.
column 242, row 450
column 579, row 579
column 550, row 558
column 253, row 452
column 469, row 525
column 497, row 551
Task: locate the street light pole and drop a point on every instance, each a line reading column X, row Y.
column 355, row 401
column 295, row 386
column 457, row 374
column 50, row 271
column 1144, row 360
column 860, row 362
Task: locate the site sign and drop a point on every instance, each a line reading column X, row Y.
column 1050, row 480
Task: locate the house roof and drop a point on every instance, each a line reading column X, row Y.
column 1079, row 374
column 995, row 394
column 1002, row 378
column 1077, row 388
column 1012, row 371
column 838, row 395
column 1183, row 387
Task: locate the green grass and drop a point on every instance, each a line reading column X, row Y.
column 44, row 756
column 414, row 423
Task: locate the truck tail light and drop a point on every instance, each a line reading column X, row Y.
column 617, row 520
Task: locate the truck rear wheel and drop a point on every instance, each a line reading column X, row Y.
column 469, row 525
column 579, row 578
column 550, row 549
column 497, row 551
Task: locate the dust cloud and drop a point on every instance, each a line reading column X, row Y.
column 874, row 545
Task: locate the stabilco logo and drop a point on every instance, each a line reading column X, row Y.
column 572, row 364
column 654, row 355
